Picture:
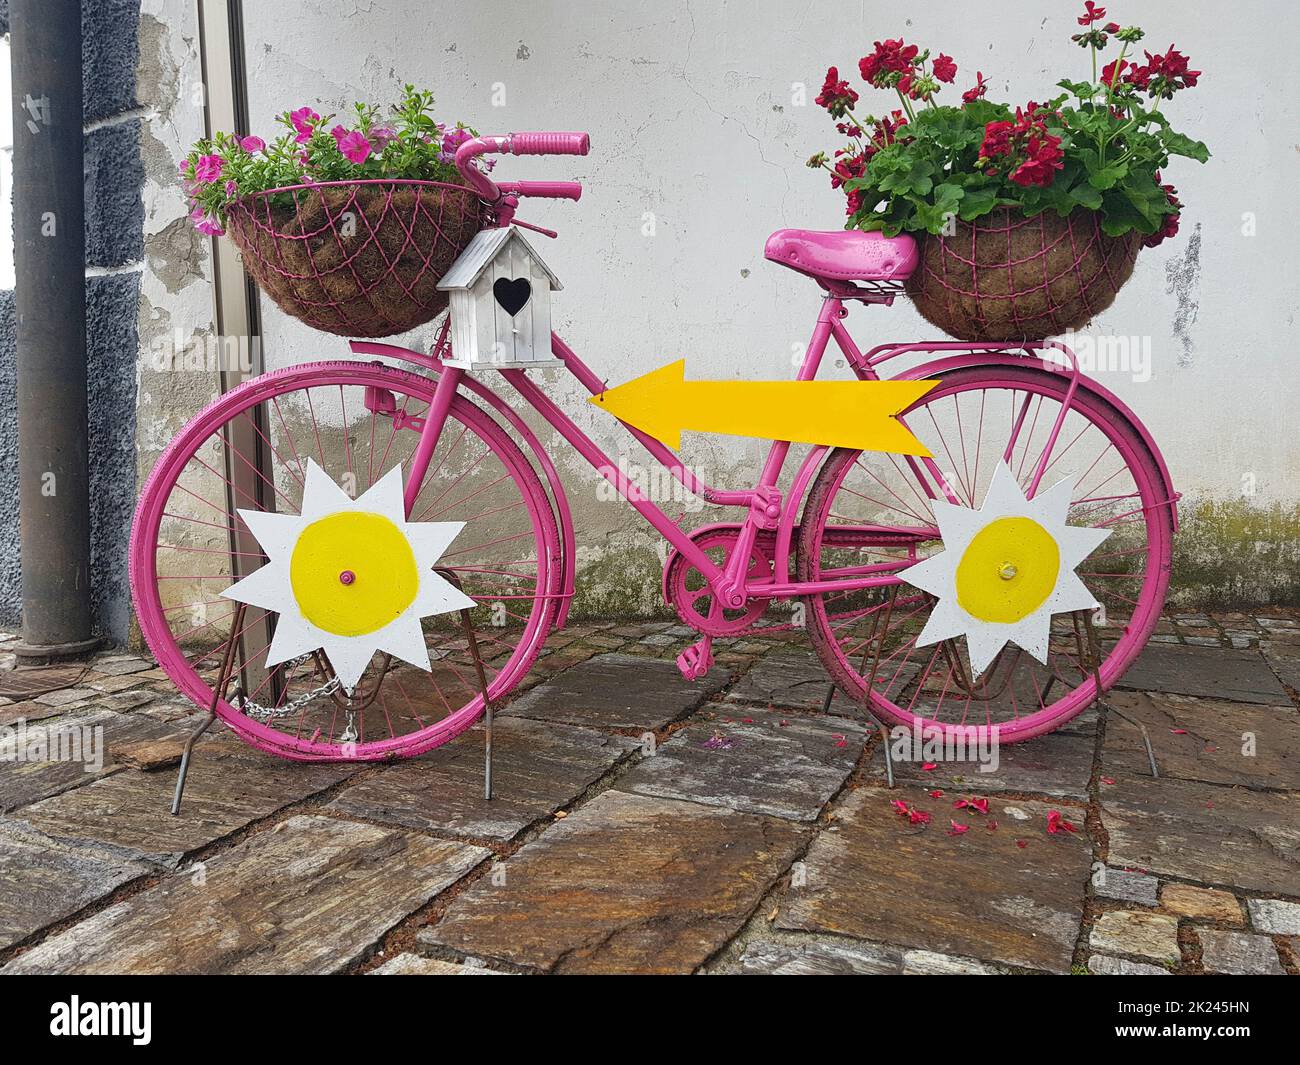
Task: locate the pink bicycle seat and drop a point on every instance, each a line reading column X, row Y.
column 843, row 254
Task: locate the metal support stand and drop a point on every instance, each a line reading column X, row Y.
column 1094, row 660
column 472, row 640
column 218, row 693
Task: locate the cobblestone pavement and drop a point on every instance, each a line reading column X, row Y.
column 724, row 826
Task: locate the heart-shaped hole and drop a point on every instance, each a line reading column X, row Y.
column 512, row 294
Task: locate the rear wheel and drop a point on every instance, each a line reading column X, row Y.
column 357, row 421
column 873, row 510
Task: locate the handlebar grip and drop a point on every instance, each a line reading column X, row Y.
column 550, row 143
column 553, row 190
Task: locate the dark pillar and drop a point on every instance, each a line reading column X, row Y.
column 49, row 254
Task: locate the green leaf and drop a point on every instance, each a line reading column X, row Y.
column 1108, row 176
column 977, row 202
column 1178, row 144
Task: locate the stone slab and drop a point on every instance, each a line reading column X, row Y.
column 1284, row 659
column 756, row 761
column 1152, row 936
column 1238, row 953
column 23, row 782
column 1201, row 904
column 1124, row 885
column 1211, row 740
column 928, row 963
column 628, row 883
column 1274, row 916
column 229, row 786
column 1101, row 965
column 617, row 691
column 310, row 896
column 1205, row 833
column 1208, row 672
column 1059, row 765
column 815, row 957
column 43, row 881
column 120, row 665
column 414, row 965
column 874, row 876
column 787, row 679
column 537, row 767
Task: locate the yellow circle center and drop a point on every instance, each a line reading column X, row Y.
column 353, row 572
column 1008, row 570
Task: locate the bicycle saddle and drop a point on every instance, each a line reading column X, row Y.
column 843, row 254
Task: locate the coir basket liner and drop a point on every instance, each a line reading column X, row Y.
column 1009, row 277
column 360, row 259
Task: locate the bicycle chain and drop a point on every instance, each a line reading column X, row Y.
column 259, row 712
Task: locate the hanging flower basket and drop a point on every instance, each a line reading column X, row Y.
column 1009, row 277
column 348, row 228
column 1029, row 217
column 355, row 258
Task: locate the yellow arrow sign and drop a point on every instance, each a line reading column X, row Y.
column 856, row 414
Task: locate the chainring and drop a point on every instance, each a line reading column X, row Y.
column 688, row 591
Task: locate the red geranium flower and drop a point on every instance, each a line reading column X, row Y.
column 1045, row 159
column 997, row 139
column 889, row 57
column 944, row 68
column 1033, row 154
column 1163, row 75
column 1091, row 13
column 1170, row 226
column 976, row 91
column 837, row 95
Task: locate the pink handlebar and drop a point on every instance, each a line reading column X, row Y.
column 550, row 143
column 521, row 144
column 552, row 190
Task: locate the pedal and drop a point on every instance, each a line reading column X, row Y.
column 696, row 660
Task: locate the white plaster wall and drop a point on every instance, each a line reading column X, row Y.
column 693, row 120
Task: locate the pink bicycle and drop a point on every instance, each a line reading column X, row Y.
column 833, row 534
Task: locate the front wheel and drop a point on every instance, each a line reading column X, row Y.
column 868, row 509
column 357, row 421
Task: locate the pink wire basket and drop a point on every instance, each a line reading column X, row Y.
column 1011, row 277
column 356, row 258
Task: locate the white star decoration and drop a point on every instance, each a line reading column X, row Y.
column 1013, row 581
column 361, row 571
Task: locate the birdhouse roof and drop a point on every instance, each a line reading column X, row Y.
column 479, row 253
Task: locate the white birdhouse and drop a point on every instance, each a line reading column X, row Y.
column 500, row 304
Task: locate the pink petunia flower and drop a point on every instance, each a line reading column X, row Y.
column 452, row 140
column 232, row 187
column 381, row 135
column 205, row 223
column 302, row 120
column 207, row 169
column 354, row 146
column 252, row 144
